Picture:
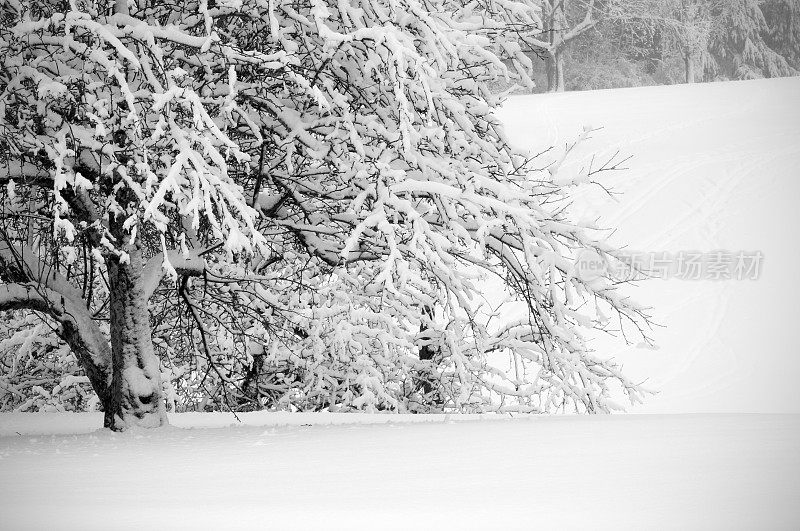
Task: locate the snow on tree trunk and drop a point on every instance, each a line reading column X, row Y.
column 136, row 389
column 31, row 284
column 86, row 353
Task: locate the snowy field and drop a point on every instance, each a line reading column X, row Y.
column 715, row 166
column 401, row 472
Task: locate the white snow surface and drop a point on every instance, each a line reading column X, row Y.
column 341, row 471
column 714, row 166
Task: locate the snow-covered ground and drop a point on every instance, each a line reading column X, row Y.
column 622, row 472
column 716, row 167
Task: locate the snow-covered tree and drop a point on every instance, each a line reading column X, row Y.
column 565, row 21
column 738, row 43
column 783, row 20
column 606, row 44
column 557, row 33
column 688, row 31
column 630, row 43
column 285, row 203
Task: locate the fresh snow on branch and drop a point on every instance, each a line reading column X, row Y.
column 322, row 185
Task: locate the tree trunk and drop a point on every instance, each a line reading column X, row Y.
column 550, row 69
column 428, row 353
column 98, row 375
column 136, row 384
column 250, row 390
column 555, row 27
column 560, row 87
column 554, row 64
column 688, row 62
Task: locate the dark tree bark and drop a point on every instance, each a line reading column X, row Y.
column 136, row 397
column 428, row 353
column 250, row 389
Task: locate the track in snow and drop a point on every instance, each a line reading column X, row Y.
column 715, row 166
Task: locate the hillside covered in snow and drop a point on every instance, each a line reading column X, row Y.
column 714, row 167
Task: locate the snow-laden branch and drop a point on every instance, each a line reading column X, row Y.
column 586, row 24
column 172, row 263
column 76, row 327
column 343, row 163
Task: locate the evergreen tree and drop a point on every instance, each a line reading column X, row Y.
column 738, row 44
column 783, row 20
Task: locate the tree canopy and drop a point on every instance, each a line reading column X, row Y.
column 286, row 204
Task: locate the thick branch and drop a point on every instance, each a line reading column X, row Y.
column 155, row 270
column 76, row 328
column 31, row 174
column 587, row 23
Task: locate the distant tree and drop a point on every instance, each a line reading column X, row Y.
column 688, row 32
column 659, row 30
column 260, row 203
column 783, row 36
column 563, row 21
column 609, row 56
column 674, row 25
column 627, row 49
column 662, row 41
column 739, row 45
